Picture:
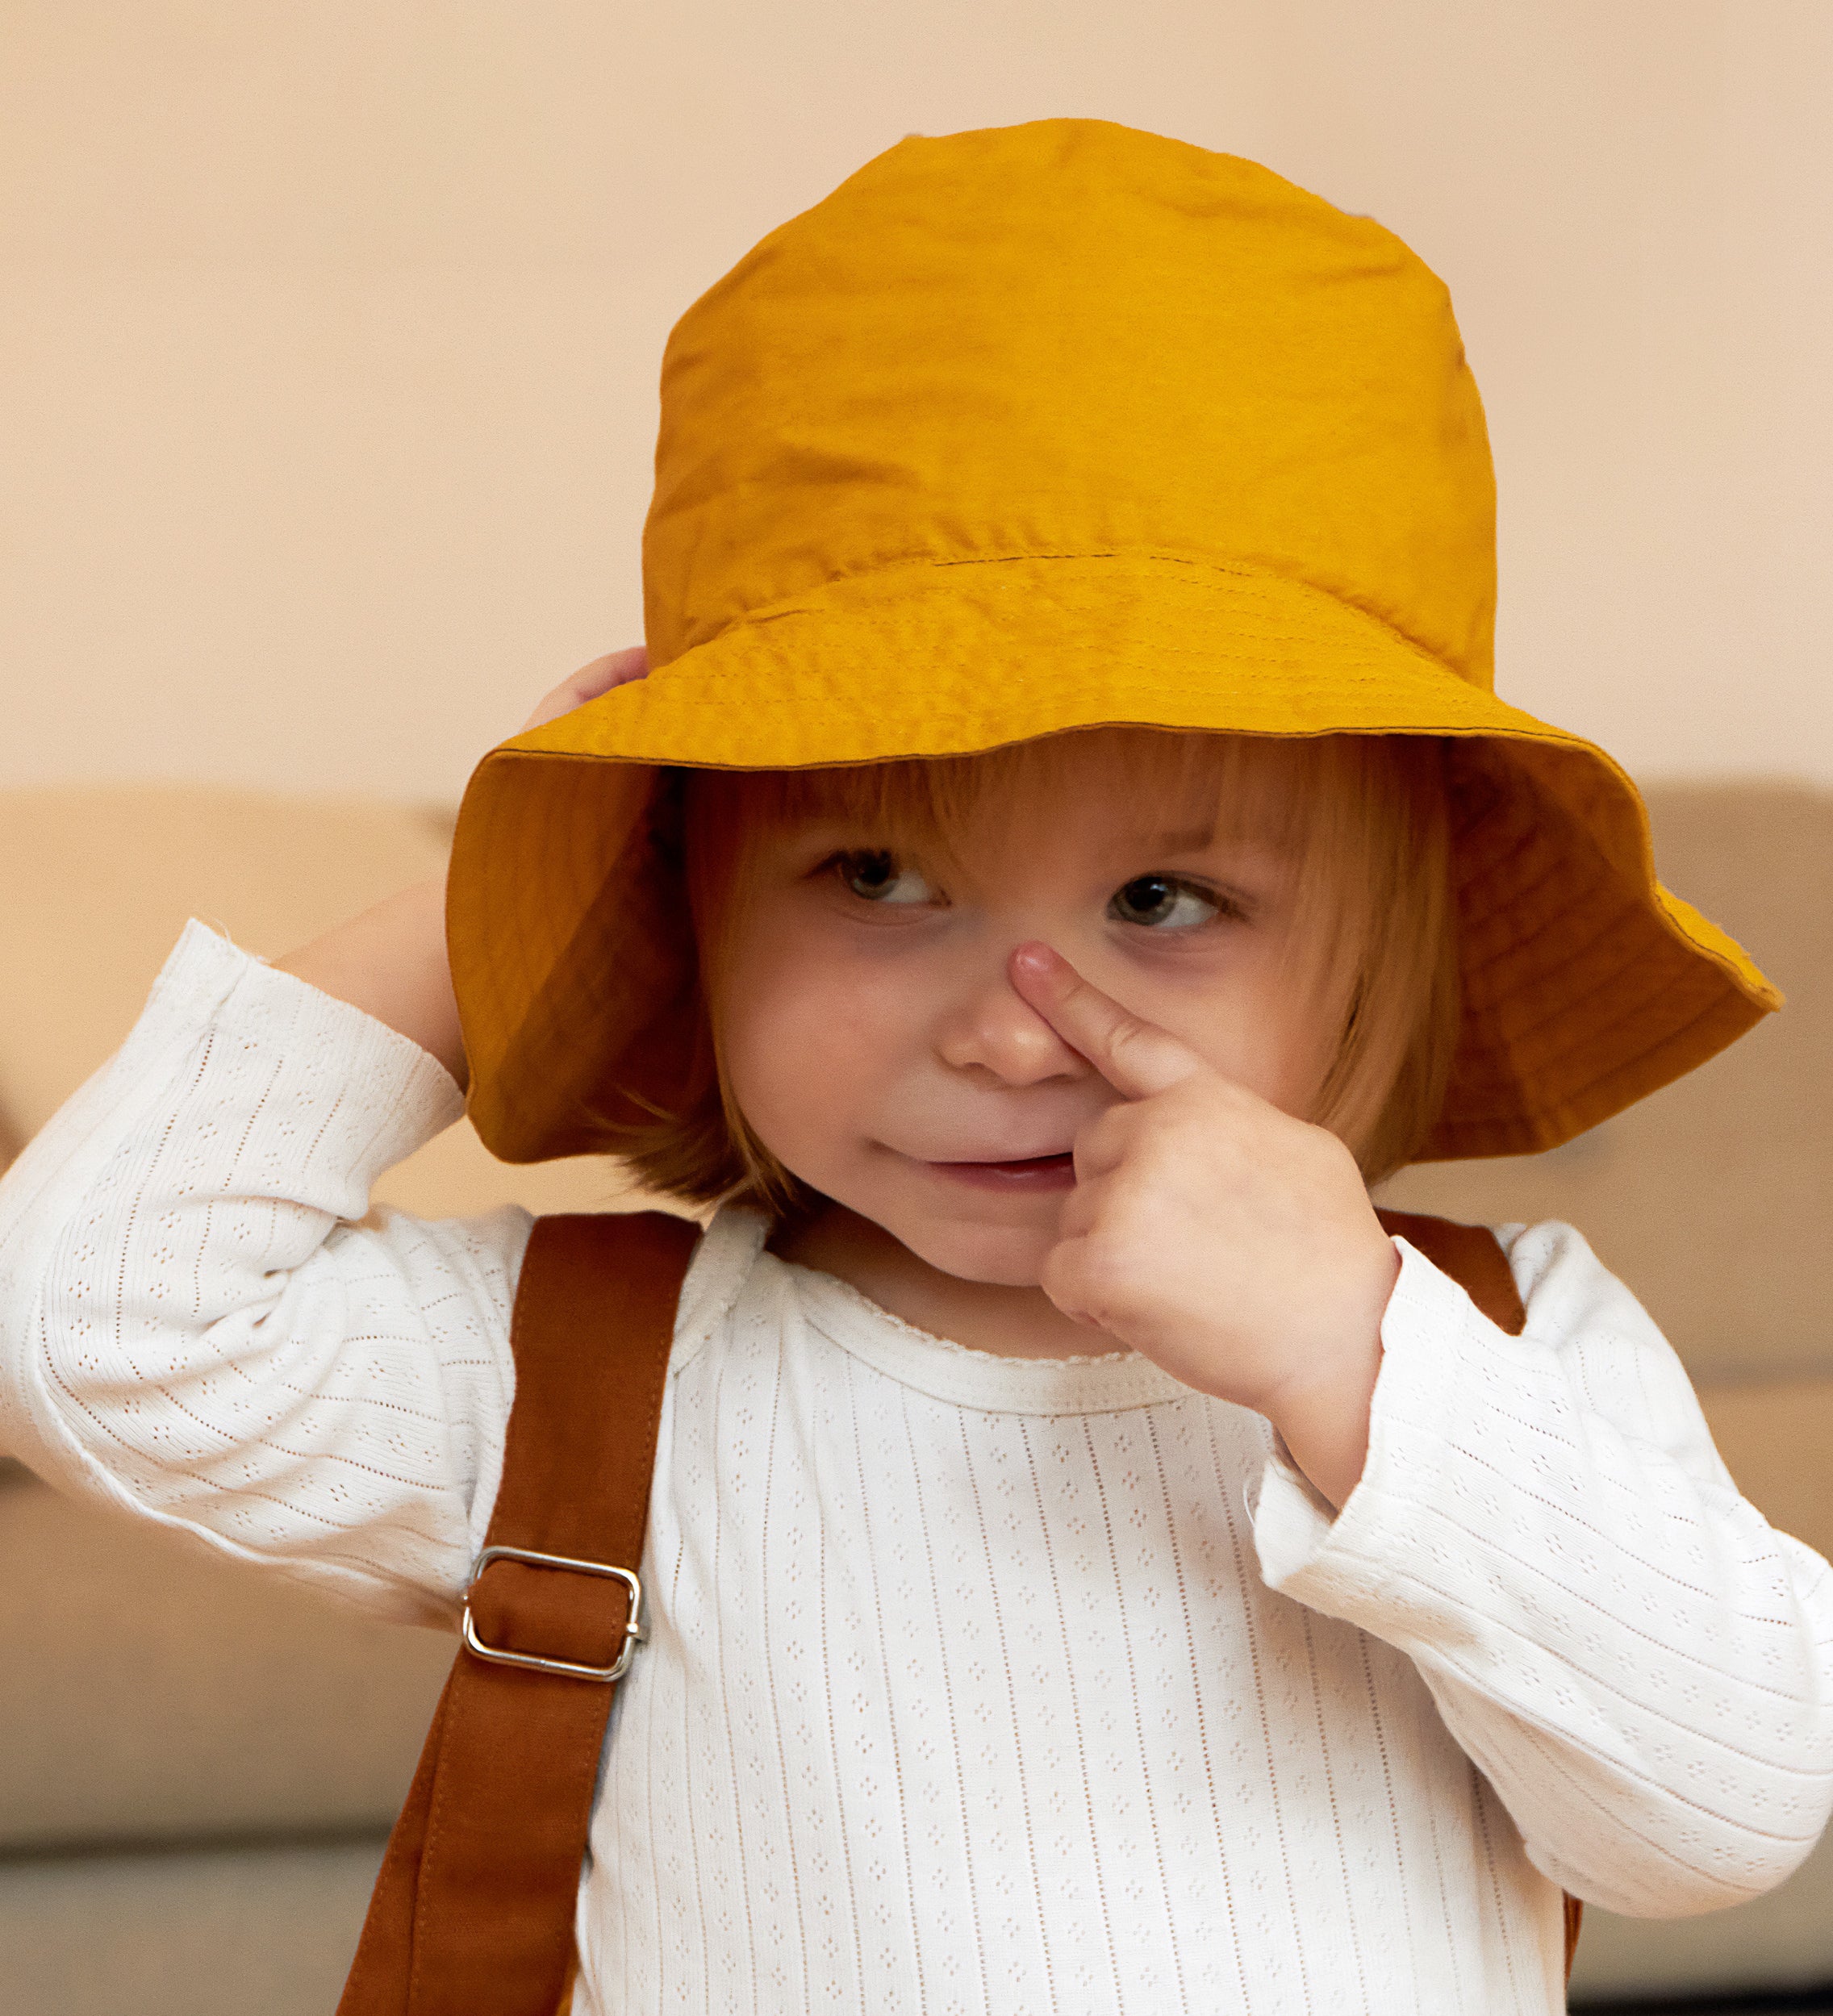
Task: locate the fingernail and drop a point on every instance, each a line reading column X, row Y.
column 1033, row 958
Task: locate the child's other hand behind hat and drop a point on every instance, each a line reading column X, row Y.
column 615, row 668
column 390, row 961
column 1228, row 1242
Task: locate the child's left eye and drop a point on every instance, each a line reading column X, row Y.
column 1163, row 903
column 880, row 877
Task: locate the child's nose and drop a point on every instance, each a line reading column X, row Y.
column 992, row 1029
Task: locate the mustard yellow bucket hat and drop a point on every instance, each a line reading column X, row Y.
column 1046, row 427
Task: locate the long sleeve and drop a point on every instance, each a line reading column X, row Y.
column 1638, row 1662
column 194, row 1325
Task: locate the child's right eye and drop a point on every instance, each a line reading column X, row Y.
column 878, row 876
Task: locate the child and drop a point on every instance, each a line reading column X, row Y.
column 1066, row 848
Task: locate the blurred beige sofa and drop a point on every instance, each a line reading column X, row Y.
column 198, row 1764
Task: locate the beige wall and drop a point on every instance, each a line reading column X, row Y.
column 332, row 330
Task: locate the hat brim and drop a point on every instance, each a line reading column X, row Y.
column 1585, row 984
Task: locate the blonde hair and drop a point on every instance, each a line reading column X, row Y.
column 1364, row 816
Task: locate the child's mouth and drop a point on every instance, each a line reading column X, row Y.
column 1036, row 1172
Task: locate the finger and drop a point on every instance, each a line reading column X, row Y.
column 1080, row 1208
column 615, row 668
column 1102, row 1144
column 1072, row 1281
column 1136, row 1057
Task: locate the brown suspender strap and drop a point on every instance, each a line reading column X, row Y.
column 1471, row 1256
column 1575, row 1921
column 473, row 1911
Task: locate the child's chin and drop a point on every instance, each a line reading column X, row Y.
column 999, row 1256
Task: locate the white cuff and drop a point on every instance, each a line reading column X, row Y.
column 1308, row 1549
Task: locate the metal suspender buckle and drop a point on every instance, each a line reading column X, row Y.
column 501, row 1655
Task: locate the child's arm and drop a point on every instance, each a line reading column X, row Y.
column 390, row 962
column 192, row 1325
column 195, row 1326
column 1639, row 1664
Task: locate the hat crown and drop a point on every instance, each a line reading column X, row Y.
column 1071, row 338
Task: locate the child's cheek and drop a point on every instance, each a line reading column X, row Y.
column 806, row 1044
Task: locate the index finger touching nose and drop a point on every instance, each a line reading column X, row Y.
column 1136, row 1057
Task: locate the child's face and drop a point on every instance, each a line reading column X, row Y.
column 873, row 1039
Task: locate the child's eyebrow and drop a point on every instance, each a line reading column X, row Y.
column 1182, row 840
column 1244, row 847
column 1178, row 840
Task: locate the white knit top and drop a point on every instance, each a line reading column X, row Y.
column 973, row 1683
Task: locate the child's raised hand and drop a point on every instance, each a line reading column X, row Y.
column 615, row 668
column 1229, row 1242
column 390, row 961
